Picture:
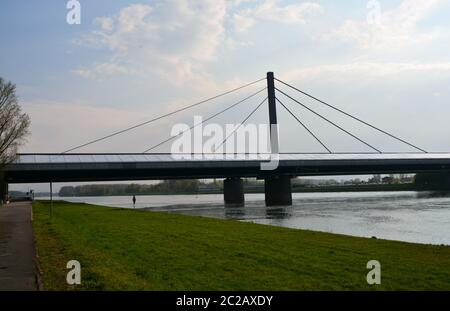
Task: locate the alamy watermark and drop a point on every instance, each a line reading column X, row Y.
column 374, row 275
column 374, row 16
column 73, row 16
column 231, row 141
column 74, row 275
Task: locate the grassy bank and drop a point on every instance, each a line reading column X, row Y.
column 123, row 249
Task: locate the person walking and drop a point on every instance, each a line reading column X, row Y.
column 134, row 201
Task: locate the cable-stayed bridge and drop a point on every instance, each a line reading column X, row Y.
column 275, row 168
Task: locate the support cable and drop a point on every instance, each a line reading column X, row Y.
column 162, row 116
column 240, row 124
column 329, row 121
column 304, row 126
column 353, row 117
column 207, row 119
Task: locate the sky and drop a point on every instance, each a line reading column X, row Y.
column 386, row 62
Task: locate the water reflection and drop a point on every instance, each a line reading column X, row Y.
column 234, row 213
column 433, row 194
column 278, row 213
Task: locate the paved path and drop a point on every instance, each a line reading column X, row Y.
column 17, row 252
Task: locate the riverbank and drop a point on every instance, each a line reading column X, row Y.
column 122, row 249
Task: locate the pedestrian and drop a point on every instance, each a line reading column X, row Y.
column 134, row 201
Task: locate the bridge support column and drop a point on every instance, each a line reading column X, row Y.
column 233, row 191
column 278, row 190
column 3, row 190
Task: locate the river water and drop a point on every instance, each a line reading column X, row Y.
column 404, row 216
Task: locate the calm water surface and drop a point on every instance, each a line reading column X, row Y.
column 404, row 216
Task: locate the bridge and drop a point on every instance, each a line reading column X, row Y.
column 68, row 166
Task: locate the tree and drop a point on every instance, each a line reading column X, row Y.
column 66, row 191
column 14, row 124
column 376, row 179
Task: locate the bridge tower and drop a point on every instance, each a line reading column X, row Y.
column 277, row 188
column 273, row 123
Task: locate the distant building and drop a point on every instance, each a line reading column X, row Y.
column 407, row 179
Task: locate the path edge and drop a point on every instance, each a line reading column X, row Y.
column 39, row 272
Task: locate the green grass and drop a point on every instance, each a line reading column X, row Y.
column 122, row 249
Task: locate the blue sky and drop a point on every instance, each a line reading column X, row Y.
column 129, row 61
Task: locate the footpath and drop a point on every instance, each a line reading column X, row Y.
column 18, row 270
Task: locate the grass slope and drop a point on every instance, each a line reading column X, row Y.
column 122, row 249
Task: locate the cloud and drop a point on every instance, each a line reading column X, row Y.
column 242, row 23
column 367, row 69
column 178, row 39
column 390, row 29
column 271, row 10
column 173, row 39
column 99, row 71
column 106, row 23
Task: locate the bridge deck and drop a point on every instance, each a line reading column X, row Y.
column 93, row 167
column 166, row 157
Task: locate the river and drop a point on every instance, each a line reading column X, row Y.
column 403, row 216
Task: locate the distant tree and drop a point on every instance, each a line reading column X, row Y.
column 376, row 179
column 14, row 124
column 356, row 181
column 67, row 191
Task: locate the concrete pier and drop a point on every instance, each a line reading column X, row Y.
column 233, row 192
column 278, row 190
column 3, row 190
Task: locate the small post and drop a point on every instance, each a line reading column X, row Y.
column 3, row 191
column 272, row 113
column 51, row 199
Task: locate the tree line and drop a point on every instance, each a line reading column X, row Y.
column 164, row 187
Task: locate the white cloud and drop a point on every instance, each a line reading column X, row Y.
column 178, row 39
column 273, row 11
column 106, row 23
column 242, row 23
column 172, row 39
column 366, row 69
column 290, row 14
column 99, row 71
column 391, row 29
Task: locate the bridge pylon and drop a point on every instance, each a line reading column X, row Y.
column 273, row 122
column 277, row 188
